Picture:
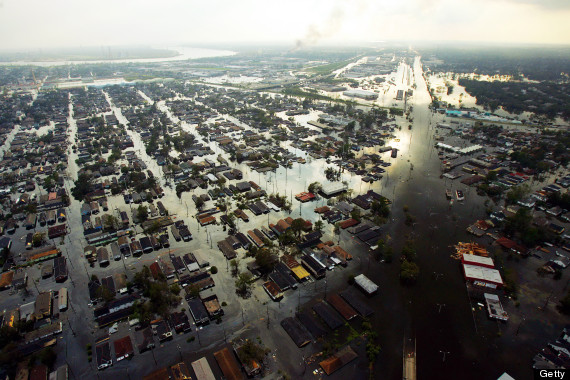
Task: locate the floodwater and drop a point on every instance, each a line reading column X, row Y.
column 437, row 311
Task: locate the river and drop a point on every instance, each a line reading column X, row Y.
column 184, row 53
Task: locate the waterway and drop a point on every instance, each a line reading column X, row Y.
column 184, row 53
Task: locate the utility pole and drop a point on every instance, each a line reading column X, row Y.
column 86, row 272
column 198, row 334
column 180, row 352
column 71, row 328
column 68, row 259
column 299, row 300
column 444, row 354
column 519, row 326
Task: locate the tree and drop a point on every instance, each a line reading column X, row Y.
column 409, row 251
column 409, row 272
column 297, row 226
column 265, row 260
column 105, row 294
column 193, row 291
column 234, row 264
column 319, row 225
column 251, row 352
column 38, row 239
column 199, row 203
column 388, row 253
column 565, row 304
column 82, row 187
column 315, row 187
column 214, row 269
column 243, row 285
column 355, row 213
column 142, row 213
column 8, row 334
column 175, row 289
column 517, row 193
column 110, row 222
column 47, row 357
column 287, row 238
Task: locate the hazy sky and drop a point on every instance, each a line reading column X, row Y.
column 71, row 23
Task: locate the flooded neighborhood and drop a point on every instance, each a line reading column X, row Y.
column 389, row 211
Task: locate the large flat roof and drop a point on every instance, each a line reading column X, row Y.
column 478, row 260
column 476, row 272
column 365, row 283
column 333, row 188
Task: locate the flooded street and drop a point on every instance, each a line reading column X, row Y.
column 437, row 312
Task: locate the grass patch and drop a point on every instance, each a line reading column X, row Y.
column 330, row 67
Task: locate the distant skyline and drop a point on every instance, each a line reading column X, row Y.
column 41, row 24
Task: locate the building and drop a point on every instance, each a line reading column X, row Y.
column 296, row 331
column 202, row 369
column 43, row 305
column 314, row 266
column 362, row 94
column 60, row 269
column 103, row 354
column 366, row 284
column 333, row 188
column 482, row 276
column 123, row 348
column 228, row 364
column 338, row 360
column 494, row 307
column 482, row 261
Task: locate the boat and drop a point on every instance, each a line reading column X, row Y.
column 448, row 194
column 459, row 195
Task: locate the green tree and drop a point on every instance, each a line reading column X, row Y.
column 409, row 272
column 142, row 213
column 265, row 259
column 564, row 306
column 243, row 285
column 175, row 289
column 297, row 226
column 355, row 213
column 315, row 187
column 193, row 291
column 110, row 222
column 38, row 238
column 517, row 193
column 234, row 264
column 48, row 357
column 82, row 187
column 409, row 251
column 319, row 225
column 199, row 203
column 105, row 294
